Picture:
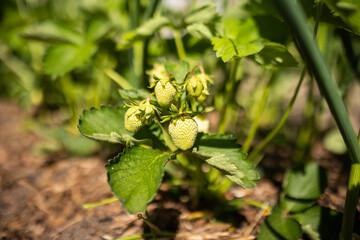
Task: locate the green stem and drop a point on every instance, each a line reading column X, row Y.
column 148, row 235
column 272, row 134
column 193, row 167
column 103, row 202
column 151, row 7
column 179, row 44
column 351, row 200
column 255, row 124
column 167, row 137
column 116, row 77
column 257, row 204
column 149, row 12
column 297, row 21
column 229, row 90
column 134, row 8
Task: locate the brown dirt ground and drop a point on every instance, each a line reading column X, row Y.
column 42, row 198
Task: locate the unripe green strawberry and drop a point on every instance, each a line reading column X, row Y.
column 164, row 92
column 183, row 131
column 194, row 87
column 132, row 120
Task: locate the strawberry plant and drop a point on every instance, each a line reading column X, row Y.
column 136, row 173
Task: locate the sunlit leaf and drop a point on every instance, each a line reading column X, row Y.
column 199, row 30
column 274, row 54
column 349, row 11
column 306, row 182
column 135, row 176
column 224, row 154
column 107, row 124
column 239, row 39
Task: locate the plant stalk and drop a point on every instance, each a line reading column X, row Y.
column 297, row 21
column 229, row 89
column 294, row 16
column 179, row 44
column 255, row 124
column 351, row 199
column 102, row 202
column 167, row 137
column 281, row 123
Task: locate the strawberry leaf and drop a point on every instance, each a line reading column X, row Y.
column 223, row 153
column 135, row 176
column 107, row 124
column 238, row 39
column 146, row 30
column 134, row 94
column 278, row 226
column 61, row 59
column 274, row 54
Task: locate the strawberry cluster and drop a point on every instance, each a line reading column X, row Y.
column 177, row 102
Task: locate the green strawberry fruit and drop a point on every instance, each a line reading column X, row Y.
column 194, row 87
column 164, row 92
column 132, row 121
column 183, row 131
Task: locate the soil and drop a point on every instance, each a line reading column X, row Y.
column 41, row 197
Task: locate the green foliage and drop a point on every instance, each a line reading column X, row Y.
column 303, row 185
column 61, row 59
column 279, row 226
column 178, row 70
column 238, row 39
column 200, row 31
column 134, row 94
column 70, row 49
column 203, row 14
column 320, row 223
column 106, row 124
column 305, row 182
column 227, row 158
column 135, row 176
column 349, row 11
column 333, row 142
column 52, row 32
column 144, row 31
column 58, row 139
column 274, row 55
